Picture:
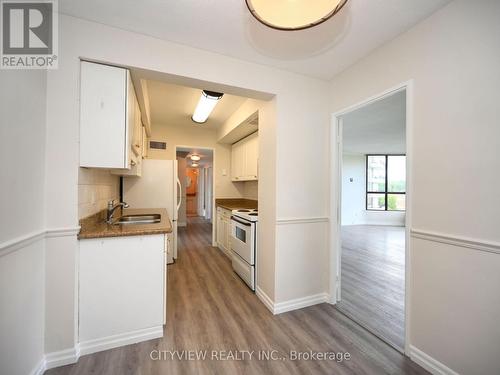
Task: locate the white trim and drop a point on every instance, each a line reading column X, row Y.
column 335, row 195
column 470, row 243
column 268, row 302
column 62, row 358
column 62, row 232
column 293, row 304
column 39, row 369
column 301, row 220
column 181, row 224
column 20, row 242
column 430, row 364
column 110, row 342
column 300, row 303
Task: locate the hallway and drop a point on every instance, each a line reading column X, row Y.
column 210, row 308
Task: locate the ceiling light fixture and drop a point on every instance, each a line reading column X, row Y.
column 205, row 105
column 293, row 15
column 194, row 165
column 195, row 157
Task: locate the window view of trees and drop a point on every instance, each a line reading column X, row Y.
column 386, row 182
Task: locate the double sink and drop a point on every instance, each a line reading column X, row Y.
column 138, row 219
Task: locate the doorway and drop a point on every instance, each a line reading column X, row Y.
column 372, row 226
column 195, row 172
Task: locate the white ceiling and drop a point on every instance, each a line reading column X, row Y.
column 227, row 27
column 174, row 105
column 377, row 128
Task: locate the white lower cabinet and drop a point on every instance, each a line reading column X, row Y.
column 122, row 283
column 224, row 230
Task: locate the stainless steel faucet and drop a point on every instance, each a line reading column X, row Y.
column 111, row 209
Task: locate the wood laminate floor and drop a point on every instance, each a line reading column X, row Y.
column 210, row 308
column 373, row 279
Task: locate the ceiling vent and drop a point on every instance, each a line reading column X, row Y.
column 158, row 145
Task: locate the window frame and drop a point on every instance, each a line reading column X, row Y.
column 386, row 191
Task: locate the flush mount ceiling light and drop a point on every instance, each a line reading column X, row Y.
column 205, row 105
column 194, row 165
column 195, row 157
column 293, row 14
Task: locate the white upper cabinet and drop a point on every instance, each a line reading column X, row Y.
column 244, row 159
column 237, row 161
column 108, row 113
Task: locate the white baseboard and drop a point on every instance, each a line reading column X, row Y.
column 69, row 356
column 39, row 369
column 430, row 364
column 294, row 304
column 264, row 298
column 300, row 303
column 61, row 358
column 110, row 342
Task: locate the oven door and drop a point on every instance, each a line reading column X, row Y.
column 243, row 239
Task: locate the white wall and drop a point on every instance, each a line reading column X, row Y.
column 22, row 267
column 453, row 59
column 251, row 190
column 248, row 108
column 354, row 210
column 353, row 200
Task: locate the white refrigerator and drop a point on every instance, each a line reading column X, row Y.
column 158, row 187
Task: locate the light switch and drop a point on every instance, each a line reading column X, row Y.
column 224, row 172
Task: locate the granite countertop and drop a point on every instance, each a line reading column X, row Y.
column 236, row 203
column 95, row 226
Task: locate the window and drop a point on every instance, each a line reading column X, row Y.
column 385, row 182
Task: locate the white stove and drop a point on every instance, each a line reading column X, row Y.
column 244, row 244
column 249, row 214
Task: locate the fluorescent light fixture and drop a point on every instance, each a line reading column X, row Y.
column 293, row 14
column 205, row 105
column 195, row 157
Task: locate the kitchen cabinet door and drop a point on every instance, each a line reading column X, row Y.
column 238, row 161
column 121, row 281
column 244, row 159
column 251, row 157
column 220, row 230
column 136, row 142
column 103, row 116
column 228, row 235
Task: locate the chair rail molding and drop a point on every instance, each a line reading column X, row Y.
column 471, row 243
column 24, row 240
column 302, row 220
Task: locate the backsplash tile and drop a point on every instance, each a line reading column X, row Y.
column 95, row 188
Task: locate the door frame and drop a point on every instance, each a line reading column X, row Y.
column 214, row 166
column 336, row 196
